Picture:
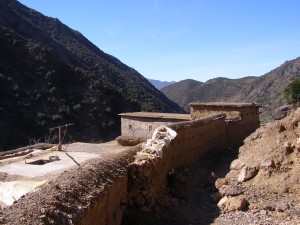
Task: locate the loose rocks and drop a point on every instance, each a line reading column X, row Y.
column 247, row 173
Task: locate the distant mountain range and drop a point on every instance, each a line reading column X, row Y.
column 52, row 75
column 160, row 84
column 266, row 90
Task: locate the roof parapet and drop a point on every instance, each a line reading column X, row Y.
column 226, row 104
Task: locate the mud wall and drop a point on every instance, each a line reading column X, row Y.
column 199, row 111
column 142, row 186
column 238, row 129
column 241, row 119
column 148, row 173
column 108, row 209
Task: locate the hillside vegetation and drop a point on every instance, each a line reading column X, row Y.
column 51, row 75
column 267, row 90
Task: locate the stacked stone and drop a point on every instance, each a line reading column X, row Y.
column 140, row 188
column 143, row 172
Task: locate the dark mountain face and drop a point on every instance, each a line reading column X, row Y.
column 266, row 90
column 51, row 75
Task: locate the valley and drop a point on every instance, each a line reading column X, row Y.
column 138, row 150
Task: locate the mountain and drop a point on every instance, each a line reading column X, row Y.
column 52, row 75
column 266, row 89
column 160, row 84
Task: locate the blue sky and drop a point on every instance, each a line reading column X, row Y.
column 172, row 40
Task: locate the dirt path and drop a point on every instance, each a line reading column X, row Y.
column 194, row 205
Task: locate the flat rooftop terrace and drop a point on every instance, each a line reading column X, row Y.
column 47, row 169
column 49, row 163
column 225, row 104
column 174, row 116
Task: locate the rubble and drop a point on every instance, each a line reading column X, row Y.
column 269, row 180
column 247, row 173
column 140, row 191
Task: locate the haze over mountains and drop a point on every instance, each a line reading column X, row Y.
column 266, row 90
column 51, row 75
column 160, row 84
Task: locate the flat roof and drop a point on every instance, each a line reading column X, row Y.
column 226, row 104
column 27, row 167
column 158, row 115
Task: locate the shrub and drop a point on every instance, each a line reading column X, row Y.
column 77, row 107
column 56, row 117
column 292, row 92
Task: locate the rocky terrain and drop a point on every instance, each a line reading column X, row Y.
column 265, row 178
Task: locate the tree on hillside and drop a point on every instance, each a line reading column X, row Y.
column 292, row 92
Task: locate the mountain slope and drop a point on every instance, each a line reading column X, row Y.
column 180, row 92
column 218, row 89
column 160, row 84
column 266, row 90
column 51, row 75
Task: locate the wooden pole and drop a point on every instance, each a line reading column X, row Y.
column 59, row 148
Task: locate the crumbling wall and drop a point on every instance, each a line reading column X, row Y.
column 148, row 172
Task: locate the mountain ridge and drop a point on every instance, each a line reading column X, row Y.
column 266, row 90
column 51, row 75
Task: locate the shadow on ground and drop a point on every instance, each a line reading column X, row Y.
column 195, row 204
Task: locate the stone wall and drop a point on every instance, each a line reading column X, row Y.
column 148, row 173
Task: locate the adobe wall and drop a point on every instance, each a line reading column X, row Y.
column 241, row 120
column 109, row 207
column 145, row 179
column 142, row 127
column 199, row 111
column 194, row 138
column 148, row 174
column 238, row 129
